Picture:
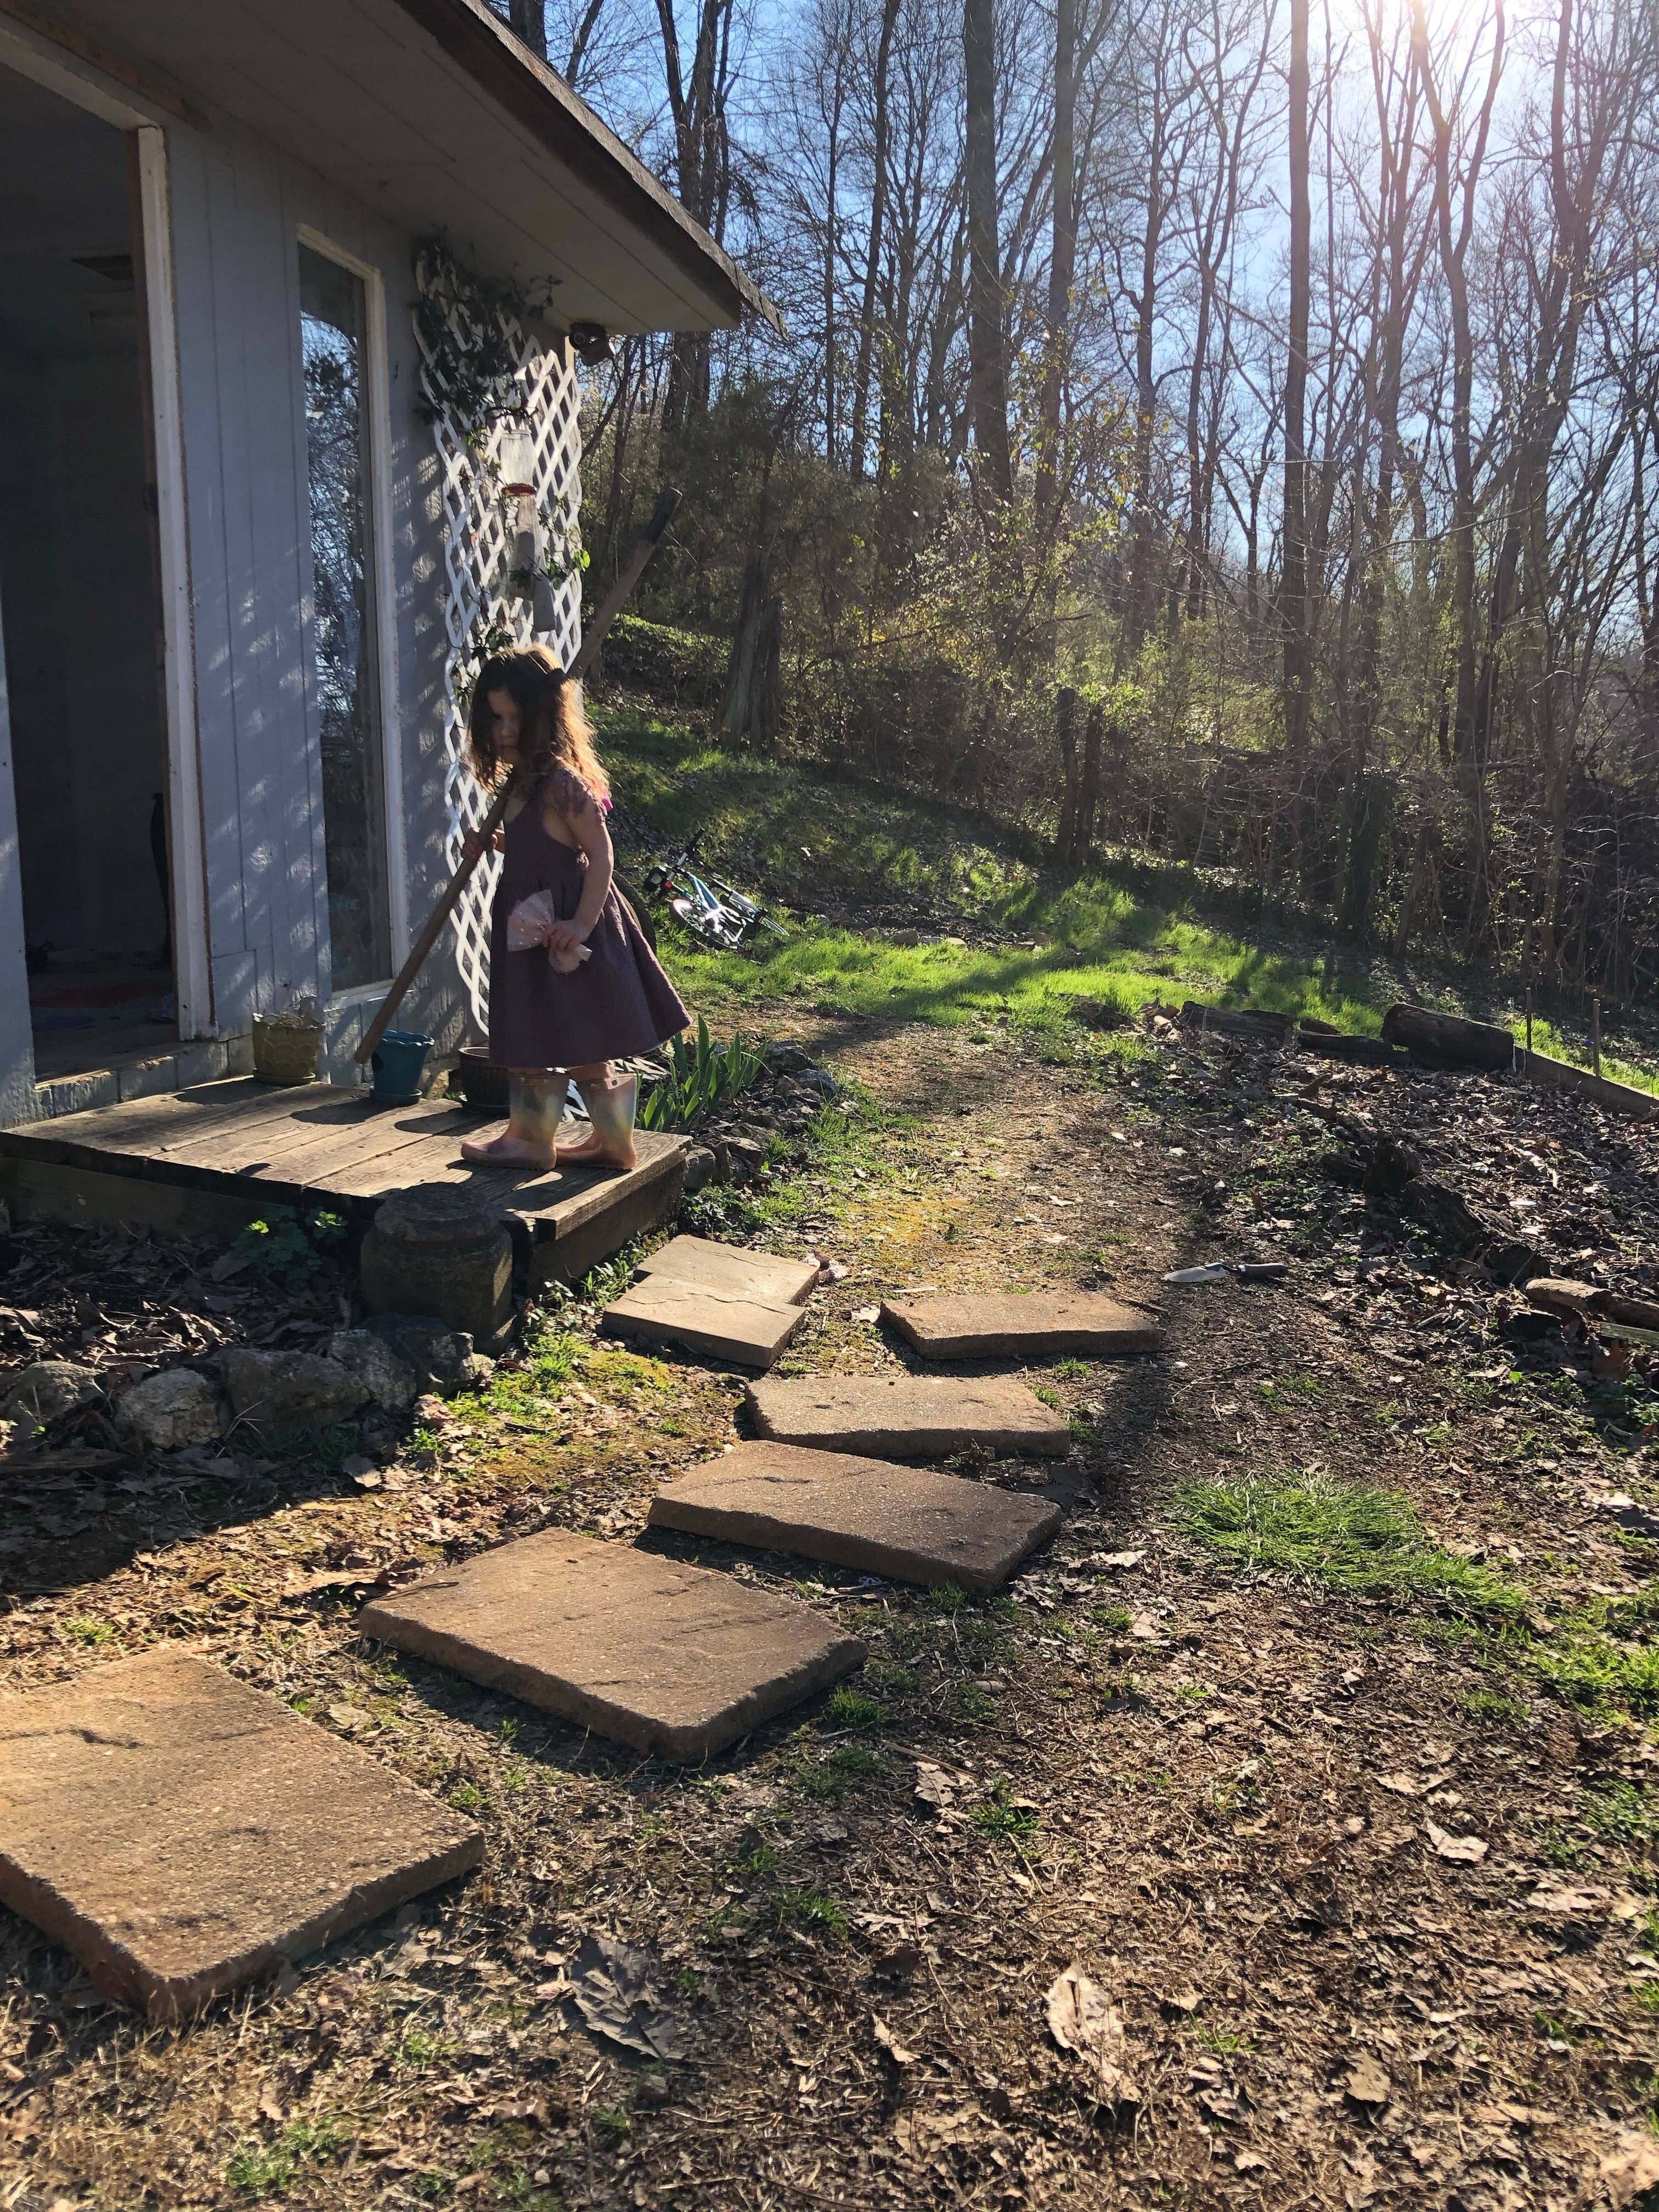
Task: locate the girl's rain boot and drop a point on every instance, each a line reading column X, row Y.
column 612, row 1101
column 535, row 1110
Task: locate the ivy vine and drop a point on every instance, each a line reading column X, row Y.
column 471, row 331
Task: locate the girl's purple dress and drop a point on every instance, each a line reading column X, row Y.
column 617, row 1003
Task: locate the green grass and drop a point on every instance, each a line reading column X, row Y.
column 269, row 2169
column 1623, row 1813
column 804, row 841
column 812, row 1909
column 1603, row 1656
column 852, row 1709
column 998, row 1815
column 1348, row 1536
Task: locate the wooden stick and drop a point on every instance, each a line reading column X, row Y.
column 616, row 599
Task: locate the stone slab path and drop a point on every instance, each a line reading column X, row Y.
column 667, row 1659
column 1023, row 1325
column 905, row 1522
column 906, row 1416
column 179, row 1832
column 733, row 1269
column 748, row 1332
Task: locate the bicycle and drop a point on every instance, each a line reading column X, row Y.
column 713, row 910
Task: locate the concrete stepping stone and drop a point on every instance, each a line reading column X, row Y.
column 749, row 1332
column 733, row 1270
column 906, row 1416
column 1023, row 1324
column 667, row 1659
column 905, row 1522
column 180, row 1832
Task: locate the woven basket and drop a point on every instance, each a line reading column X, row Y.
column 285, row 1051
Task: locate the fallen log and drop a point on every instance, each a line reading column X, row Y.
column 1356, row 1051
column 1559, row 1294
column 1257, row 1025
column 1449, row 1040
column 1551, row 1074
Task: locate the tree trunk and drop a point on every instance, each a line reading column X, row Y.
column 877, row 222
column 1088, row 804
column 529, row 22
column 1065, row 728
column 1062, row 260
column 987, row 350
column 1293, row 589
column 753, row 709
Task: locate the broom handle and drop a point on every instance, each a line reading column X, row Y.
column 615, row 599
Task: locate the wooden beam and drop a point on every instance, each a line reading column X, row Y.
column 112, row 65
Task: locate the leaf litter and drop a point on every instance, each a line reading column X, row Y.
column 1199, row 1808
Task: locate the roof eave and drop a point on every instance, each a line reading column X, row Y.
column 479, row 41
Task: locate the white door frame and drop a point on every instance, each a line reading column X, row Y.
column 377, row 375
column 187, row 839
column 35, row 56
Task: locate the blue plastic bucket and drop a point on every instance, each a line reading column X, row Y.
column 399, row 1062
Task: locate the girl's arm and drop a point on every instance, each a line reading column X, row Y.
column 587, row 826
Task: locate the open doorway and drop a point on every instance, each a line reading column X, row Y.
column 79, row 596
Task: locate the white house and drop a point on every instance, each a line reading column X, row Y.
column 251, row 529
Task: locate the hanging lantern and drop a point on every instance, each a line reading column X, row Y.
column 517, row 458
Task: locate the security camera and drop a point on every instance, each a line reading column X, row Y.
column 592, row 341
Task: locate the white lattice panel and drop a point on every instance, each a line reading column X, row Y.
column 480, row 614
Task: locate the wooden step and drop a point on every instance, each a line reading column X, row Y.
column 204, row 1162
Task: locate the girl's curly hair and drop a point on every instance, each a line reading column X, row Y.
column 554, row 729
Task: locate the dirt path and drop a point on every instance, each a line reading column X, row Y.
column 1214, row 1795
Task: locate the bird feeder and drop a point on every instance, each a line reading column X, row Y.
column 517, row 459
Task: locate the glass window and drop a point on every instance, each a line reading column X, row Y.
column 334, row 356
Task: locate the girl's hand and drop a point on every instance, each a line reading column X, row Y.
column 472, row 845
column 565, row 937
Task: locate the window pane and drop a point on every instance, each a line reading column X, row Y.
column 332, row 323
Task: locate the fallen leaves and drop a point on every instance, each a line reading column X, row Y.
column 1367, row 2083
column 1466, row 1851
column 1581, row 1900
column 1083, row 2020
column 618, row 1990
column 892, row 2046
column 1628, row 2170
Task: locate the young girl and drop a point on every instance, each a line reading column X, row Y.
column 546, row 1025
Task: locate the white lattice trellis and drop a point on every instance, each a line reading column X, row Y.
column 480, row 612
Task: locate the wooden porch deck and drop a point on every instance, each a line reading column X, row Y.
column 208, row 1160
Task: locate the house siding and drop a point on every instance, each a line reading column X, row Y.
column 239, row 205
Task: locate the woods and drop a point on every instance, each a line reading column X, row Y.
column 1283, row 383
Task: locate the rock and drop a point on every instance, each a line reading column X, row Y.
column 171, row 1410
column 727, row 1324
column 906, row 1416
column 181, row 1831
column 1101, row 1014
column 821, row 1080
column 1558, row 1294
column 284, row 1389
column 51, row 1390
column 1023, row 1324
column 392, row 1383
column 904, row 1522
column 733, row 1269
column 443, row 1359
column 787, row 1058
column 441, row 1251
column 743, row 1156
column 699, row 1168
column 674, row 1661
